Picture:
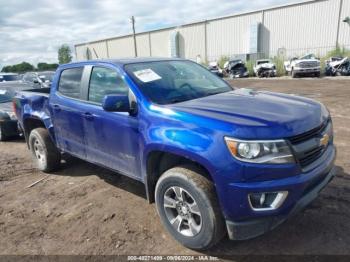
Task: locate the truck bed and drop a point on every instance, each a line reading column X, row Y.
column 38, row 91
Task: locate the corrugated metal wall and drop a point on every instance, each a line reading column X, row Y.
column 302, row 28
column 121, row 47
column 297, row 29
column 230, row 36
column 160, row 43
column 143, row 45
column 192, row 41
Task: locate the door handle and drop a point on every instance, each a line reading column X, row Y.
column 56, row 107
column 88, row 116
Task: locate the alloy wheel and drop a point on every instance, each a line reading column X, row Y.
column 182, row 211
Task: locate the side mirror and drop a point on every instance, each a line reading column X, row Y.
column 116, row 103
column 35, row 81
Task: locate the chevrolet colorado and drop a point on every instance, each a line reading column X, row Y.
column 215, row 159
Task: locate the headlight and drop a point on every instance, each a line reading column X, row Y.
column 269, row 151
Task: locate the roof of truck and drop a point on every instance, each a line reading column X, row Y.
column 124, row 61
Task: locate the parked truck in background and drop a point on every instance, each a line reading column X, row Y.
column 307, row 65
column 215, row 159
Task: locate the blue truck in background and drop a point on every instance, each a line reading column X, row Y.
column 216, row 160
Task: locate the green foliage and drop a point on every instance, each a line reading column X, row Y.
column 46, row 66
column 279, row 62
column 250, row 67
column 204, row 62
column 222, row 60
column 64, row 54
column 18, row 68
column 338, row 51
column 26, row 67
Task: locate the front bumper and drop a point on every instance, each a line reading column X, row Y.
column 301, row 70
column 253, row 228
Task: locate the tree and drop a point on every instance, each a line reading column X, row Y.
column 18, row 68
column 6, row 69
column 64, row 54
column 45, row 66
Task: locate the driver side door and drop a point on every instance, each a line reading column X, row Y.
column 112, row 137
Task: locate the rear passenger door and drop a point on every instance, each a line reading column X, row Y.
column 66, row 105
column 111, row 137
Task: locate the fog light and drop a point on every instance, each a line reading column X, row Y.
column 267, row 200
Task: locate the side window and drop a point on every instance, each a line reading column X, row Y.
column 105, row 81
column 69, row 84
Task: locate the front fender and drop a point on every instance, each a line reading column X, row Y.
column 193, row 156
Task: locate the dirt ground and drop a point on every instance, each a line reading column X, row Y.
column 85, row 209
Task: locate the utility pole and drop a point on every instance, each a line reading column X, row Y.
column 132, row 20
column 338, row 25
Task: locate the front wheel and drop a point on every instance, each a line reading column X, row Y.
column 187, row 205
column 44, row 152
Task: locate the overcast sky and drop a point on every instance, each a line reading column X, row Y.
column 33, row 30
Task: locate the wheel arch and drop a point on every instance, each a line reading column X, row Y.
column 32, row 122
column 158, row 161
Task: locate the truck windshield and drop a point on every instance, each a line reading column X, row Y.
column 168, row 82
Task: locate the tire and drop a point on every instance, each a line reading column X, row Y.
column 45, row 154
column 293, row 74
column 199, row 205
column 318, row 74
column 3, row 137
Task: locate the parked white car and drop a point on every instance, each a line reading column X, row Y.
column 264, row 68
column 306, row 65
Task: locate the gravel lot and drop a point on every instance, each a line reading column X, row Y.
column 84, row 209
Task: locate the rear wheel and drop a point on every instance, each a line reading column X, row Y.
column 44, row 152
column 187, row 205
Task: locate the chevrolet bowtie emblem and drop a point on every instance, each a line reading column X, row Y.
column 324, row 140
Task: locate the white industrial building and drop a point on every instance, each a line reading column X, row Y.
column 314, row 26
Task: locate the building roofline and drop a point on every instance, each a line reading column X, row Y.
column 300, row 2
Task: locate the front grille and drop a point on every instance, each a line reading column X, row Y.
column 309, row 134
column 308, row 64
column 310, row 156
column 307, row 146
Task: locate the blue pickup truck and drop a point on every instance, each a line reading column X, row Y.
column 215, row 159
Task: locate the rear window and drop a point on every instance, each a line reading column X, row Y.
column 69, row 84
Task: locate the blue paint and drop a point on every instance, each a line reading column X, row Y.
column 194, row 129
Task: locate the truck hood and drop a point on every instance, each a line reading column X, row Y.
column 265, row 65
column 258, row 115
column 306, row 60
